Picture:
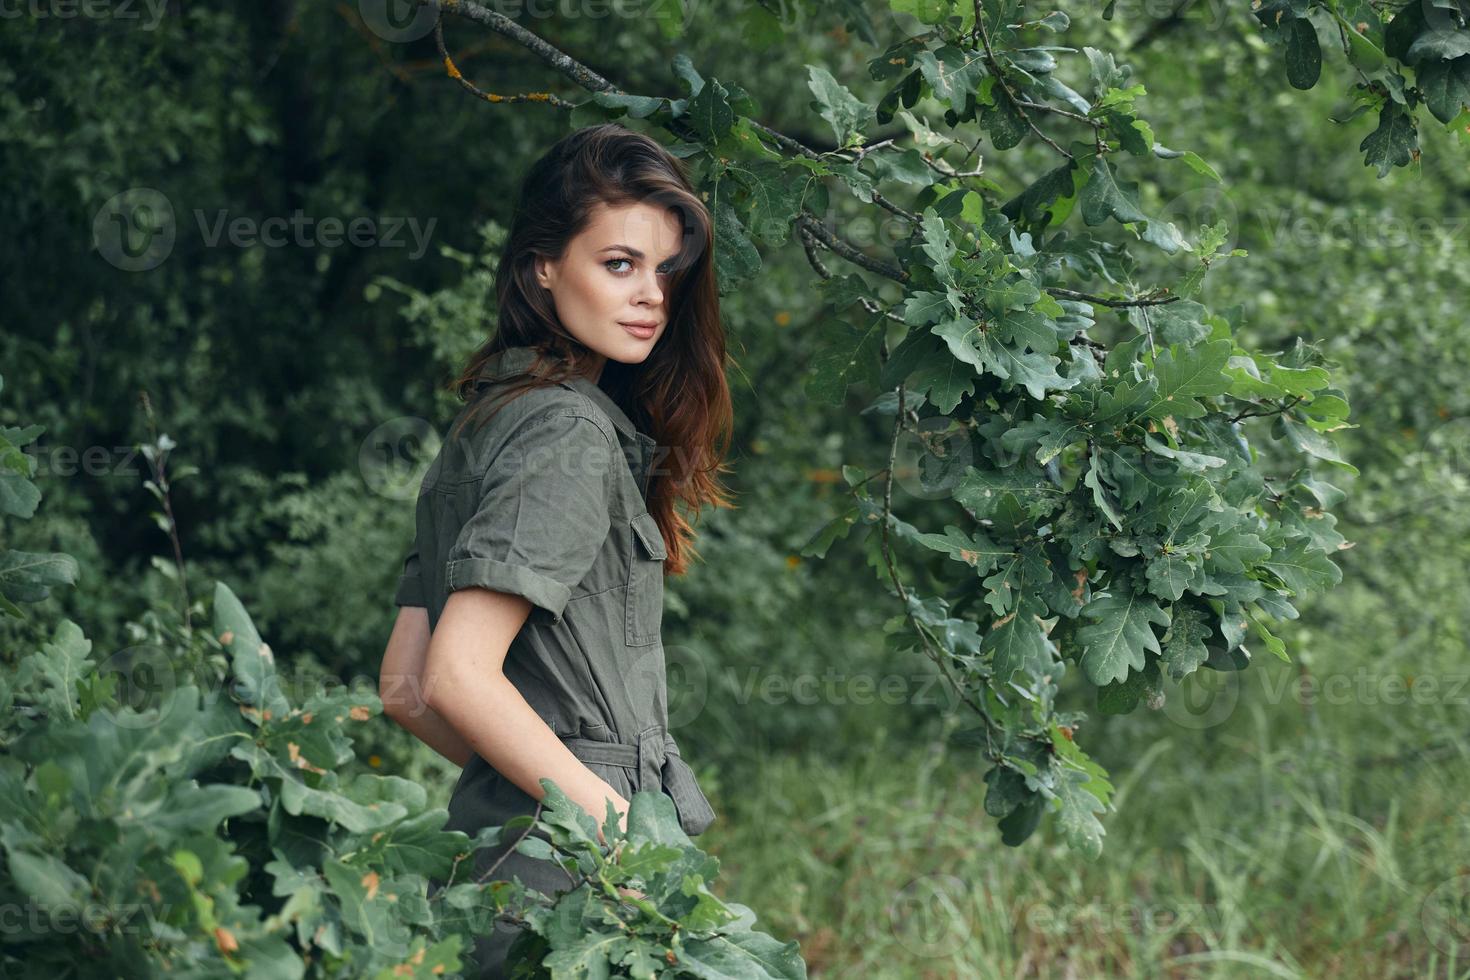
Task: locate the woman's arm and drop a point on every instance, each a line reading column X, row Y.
column 401, row 686
column 465, row 684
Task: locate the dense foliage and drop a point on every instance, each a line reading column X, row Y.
column 211, row 819
column 1087, row 455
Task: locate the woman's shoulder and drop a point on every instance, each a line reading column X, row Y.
column 494, row 420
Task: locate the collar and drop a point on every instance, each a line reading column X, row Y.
column 514, row 361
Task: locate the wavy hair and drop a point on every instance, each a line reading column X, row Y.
column 678, row 395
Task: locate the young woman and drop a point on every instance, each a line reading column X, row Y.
column 528, row 644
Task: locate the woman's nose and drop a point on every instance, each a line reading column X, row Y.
column 651, row 290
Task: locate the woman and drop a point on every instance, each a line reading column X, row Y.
column 528, row 643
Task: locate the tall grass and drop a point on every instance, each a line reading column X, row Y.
column 1281, row 842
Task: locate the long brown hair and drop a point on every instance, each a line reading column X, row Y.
column 678, row 395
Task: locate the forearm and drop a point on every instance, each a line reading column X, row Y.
column 401, row 689
column 497, row 723
column 431, row 729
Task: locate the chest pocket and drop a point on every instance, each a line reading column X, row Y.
column 645, row 599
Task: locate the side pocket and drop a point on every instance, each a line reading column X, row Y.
column 644, row 609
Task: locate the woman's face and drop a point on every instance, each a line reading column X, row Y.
column 610, row 287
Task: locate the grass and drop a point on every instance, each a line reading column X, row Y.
column 1280, row 842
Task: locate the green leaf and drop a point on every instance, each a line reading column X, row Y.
column 1170, row 573
column 937, row 245
column 47, row 880
column 18, row 495
column 985, row 490
column 1439, row 42
column 848, row 115
column 1103, row 197
column 742, row 954
column 1187, row 373
column 1303, row 54
column 253, row 664
column 709, row 114
column 1076, row 812
column 652, row 816
column 736, row 259
column 1184, row 641
column 1122, row 697
column 60, row 666
column 1234, row 549
column 774, row 198
column 851, row 356
column 1395, row 143
column 952, row 73
column 1273, row 642
column 1017, row 641
column 1305, row 439
column 1302, row 568
column 1446, row 87
column 1035, row 372
column 1120, row 635
column 27, row 576
column 977, row 551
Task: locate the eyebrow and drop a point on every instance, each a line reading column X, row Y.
column 631, row 251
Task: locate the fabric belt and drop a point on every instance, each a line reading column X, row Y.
column 655, row 758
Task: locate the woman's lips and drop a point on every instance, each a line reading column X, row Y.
column 642, row 333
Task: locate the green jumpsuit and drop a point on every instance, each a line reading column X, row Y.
column 548, row 501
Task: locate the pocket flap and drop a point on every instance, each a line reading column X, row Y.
column 646, row 528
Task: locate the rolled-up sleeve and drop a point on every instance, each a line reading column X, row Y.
column 542, row 515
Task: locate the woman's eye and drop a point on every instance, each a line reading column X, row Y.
column 662, row 270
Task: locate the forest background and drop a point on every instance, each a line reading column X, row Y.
column 1295, row 819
